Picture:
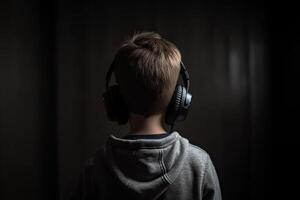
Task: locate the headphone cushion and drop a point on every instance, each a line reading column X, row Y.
column 115, row 106
column 174, row 105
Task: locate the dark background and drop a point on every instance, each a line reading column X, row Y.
column 54, row 55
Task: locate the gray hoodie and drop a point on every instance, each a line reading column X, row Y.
column 168, row 168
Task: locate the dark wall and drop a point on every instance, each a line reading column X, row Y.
column 52, row 72
column 284, row 41
column 28, row 145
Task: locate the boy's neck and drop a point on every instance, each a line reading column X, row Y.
column 150, row 125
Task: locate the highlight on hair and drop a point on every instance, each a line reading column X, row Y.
column 147, row 68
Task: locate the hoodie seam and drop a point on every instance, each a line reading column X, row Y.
column 165, row 175
column 163, row 164
column 165, row 180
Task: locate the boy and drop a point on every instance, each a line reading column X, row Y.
column 148, row 163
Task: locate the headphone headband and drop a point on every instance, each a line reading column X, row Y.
column 108, row 75
column 185, row 76
column 183, row 72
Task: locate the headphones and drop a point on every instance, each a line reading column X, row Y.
column 177, row 109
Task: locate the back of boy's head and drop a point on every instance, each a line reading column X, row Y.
column 147, row 68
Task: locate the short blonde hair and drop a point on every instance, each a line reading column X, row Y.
column 147, row 68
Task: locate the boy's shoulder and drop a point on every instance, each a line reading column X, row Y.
column 96, row 157
column 198, row 152
column 194, row 151
column 198, row 158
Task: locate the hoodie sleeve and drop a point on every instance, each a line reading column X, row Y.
column 211, row 186
column 85, row 188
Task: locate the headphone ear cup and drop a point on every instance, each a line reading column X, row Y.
column 115, row 106
column 178, row 107
column 174, row 106
column 184, row 105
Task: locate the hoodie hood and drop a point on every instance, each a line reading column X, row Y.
column 146, row 167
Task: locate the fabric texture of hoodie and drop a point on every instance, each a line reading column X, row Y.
column 167, row 168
